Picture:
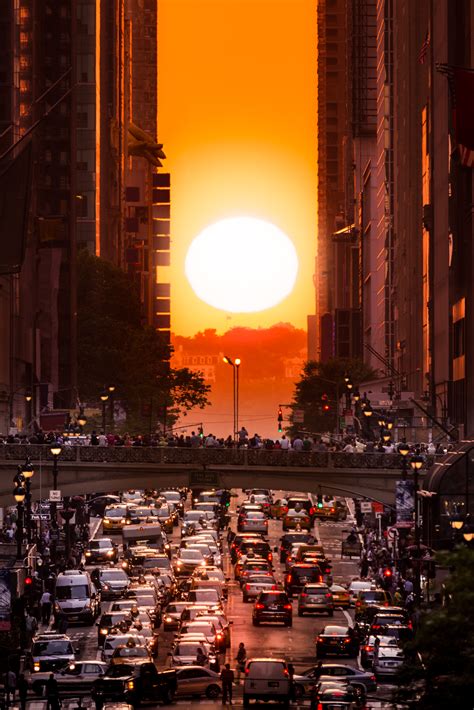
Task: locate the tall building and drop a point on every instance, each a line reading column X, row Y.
column 82, row 75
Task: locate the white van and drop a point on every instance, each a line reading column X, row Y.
column 267, row 679
column 76, row 596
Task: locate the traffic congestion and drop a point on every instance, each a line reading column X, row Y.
column 213, row 596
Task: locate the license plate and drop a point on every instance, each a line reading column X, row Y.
column 273, row 684
column 315, row 600
column 273, row 607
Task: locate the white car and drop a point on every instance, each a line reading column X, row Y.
column 359, row 585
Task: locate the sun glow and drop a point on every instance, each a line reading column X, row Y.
column 242, row 265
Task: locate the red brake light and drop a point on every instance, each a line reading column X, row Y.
column 368, row 648
column 312, row 511
column 270, row 557
column 246, row 671
column 287, row 606
column 303, row 594
column 274, row 586
column 376, row 626
column 260, row 606
column 320, row 706
column 247, row 586
column 410, row 625
column 288, row 577
column 372, row 677
column 328, row 596
column 358, row 603
column 347, row 640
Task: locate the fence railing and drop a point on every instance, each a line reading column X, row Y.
column 205, row 456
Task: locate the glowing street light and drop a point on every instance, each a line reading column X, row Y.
column 235, row 364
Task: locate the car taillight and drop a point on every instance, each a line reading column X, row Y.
column 269, row 557
column 358, row 603
column 328, row 596
column 320, row 638
column 274, row 586
column 288, row 577
column 333, row 510
column 373, row 678
column 285, row 671
column 320, row 706
column 376, row 626
column 260, row 606
column 347, row 640
column 287, row 606
column 410, row 625
column 368, row 648
column 220, row 636
column 247, row 587
column 303, row 594
column 327, row 570
column 285, row 509
column 247, row 671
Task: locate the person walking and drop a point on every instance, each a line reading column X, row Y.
column 22, row 690
column 227, row 678
column 10, row 687
column 52, row 693
column 46, row 601
column 241, row 659
column 291, row 676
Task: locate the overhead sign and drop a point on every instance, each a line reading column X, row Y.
column 55, row 496
column 207, row 479
column 40, row 516
column 366, row 507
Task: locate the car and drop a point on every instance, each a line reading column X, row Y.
column 207, row 597
column 134, row 684
column 369, row 598
column 292, row 538
column 333, row 672
column 401, row 634
column 187, row 561
column 196, row 681
column 207, row 628
column 278, row 508
column 167, row 516
column 256, row 583
column 297, row 519
column 388, row 659
column 266, row 679
column 238, row 540
column 257, row 547
column 115, row 517
column 50, row 651
column 78, row 675
column 112, row 582
column 253, row 521
column 315, row 598
column 77, row 597
column 338, row 696
column 101, row 550
column 341, row 596
column 130, row 652
column 98, row 504
column 338, row 640
column 175, row 498
column 272, row 606
column 359, row 585
column 391, row 616
column 254, row 565
column 113, row 640
column 301, row 574
column 184, row 653
column 120, row 620
column 172, row 615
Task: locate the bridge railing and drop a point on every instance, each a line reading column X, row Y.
column 205, row 456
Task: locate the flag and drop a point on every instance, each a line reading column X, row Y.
column 424, row 48
column 461, row 89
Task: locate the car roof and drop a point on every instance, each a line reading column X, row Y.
column 335, row 630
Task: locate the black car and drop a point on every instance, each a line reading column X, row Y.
column 300, row 574
column 112, row 582
column 121, row 620
column 272, row 605
column 340, row 696
column 338, row 640
column 102, row 550
column 290, row 539
column 134, row 684
column 238, row 541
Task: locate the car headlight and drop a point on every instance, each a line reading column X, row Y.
column 36, row 666
column 123, row 521
column 57, row 607
column 87, row 605
column 104, row 632
column 88, row 554
column 124, row 564
column 106, row 521
column 109, row 553
column 105, row 586
column 130, row 685
column 168, row 618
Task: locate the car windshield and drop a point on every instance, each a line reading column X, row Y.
column 203, row 595
column 78, row 591
column 374, row 596
column 188, row 649
column 52, row 648
column 156, row 562
column 254, row 515
column 273, row 598
column 115, row 513
column 115, row 618
column 266, row 669
column 310, row 573
column 335, row 631
column 113, row 575
column 100, row 544
column 135, row 651
column 192, row 555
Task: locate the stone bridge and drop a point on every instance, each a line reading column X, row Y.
column 87, row 469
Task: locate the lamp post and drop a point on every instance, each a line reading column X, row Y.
column 28, row 472
column 56, row 452
column 368, row 412
column 104, row 397
column 81, row 419
column 235, row 380
column 111, row 389
column 19, row 494
column 416, row 464
column 66, row 515
column 404, row 450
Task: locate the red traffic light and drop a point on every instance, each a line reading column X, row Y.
column 326, row 407
column 387, row 572
column 28, row 580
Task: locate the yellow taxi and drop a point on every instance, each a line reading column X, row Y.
column 165, row 516
column 279, row 508
column 341, row 596
column 297, row 519
column 115, row 517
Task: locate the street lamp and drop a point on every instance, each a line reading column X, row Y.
column 235, row 369
column 404, row 450
column 55, row 449
column 28, row 472
column 104, row 397
column 19, row 494
column 111, row 389
column 82, row 419
column 468, row 533
column 386, row 436
column 416, row 464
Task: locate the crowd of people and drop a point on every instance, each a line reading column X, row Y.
column 348, row 443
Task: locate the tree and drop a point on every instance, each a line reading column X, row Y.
column 320, row 386
column 444, row 643
column 114, row 347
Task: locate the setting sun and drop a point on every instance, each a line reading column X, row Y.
column 242, row 265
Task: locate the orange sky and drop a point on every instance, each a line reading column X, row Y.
column 237, row 116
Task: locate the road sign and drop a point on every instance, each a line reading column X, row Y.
column 298, row 416
column 377, row 507
column 366, row 507
column 392, row 533
column 40, row 516
column 55, row 496
column 378, row 516
column 207, row 479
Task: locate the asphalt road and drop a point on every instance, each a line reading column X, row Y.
column 296, row 644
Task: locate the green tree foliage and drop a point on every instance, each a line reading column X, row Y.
column 444, row 642
column 114, row 347
column 319, row 379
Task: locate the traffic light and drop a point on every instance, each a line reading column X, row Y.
column 325, row 406
column 280, row 419
column 320, row 500
column 387, row 577
column 201, row 432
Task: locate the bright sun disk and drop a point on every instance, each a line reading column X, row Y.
column 242, row 265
